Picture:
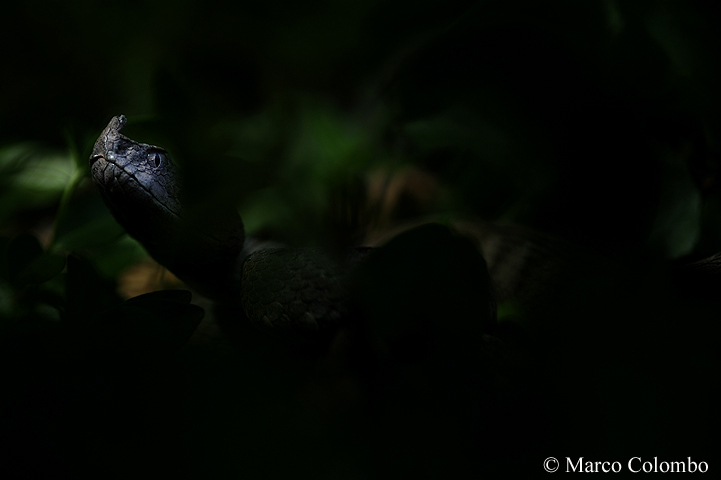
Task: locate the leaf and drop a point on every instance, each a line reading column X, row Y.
column 31, row 177
column 85, row 223
column 21, row 251
column 155, row 321
column 96, row 232
column 28, row 264
column 42, row 269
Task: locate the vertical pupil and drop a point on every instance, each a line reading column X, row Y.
column 157, row 160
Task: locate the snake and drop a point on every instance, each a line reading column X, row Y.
column 476, row 384
column 304, row 291
column 293, row 291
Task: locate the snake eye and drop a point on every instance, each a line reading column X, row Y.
column 155, row 158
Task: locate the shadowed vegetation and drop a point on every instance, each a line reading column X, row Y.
column 595, row 122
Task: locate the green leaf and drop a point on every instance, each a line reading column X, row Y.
column 31, row 177
column 22, row 251
column 117, row 256
column 28, row 264
column 42, row 269
column 100, row 230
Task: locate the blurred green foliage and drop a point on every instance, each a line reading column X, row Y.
column 560, row 115
column 596, row 121
column 31, row 178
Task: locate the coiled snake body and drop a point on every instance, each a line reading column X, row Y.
column 289, row 290
column 431, row 366
column 302, row 291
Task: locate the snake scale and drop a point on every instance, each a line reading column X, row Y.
column 294, row 291
column 302, row 291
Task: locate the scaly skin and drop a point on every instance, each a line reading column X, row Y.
column 293, row 291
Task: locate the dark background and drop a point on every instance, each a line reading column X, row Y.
column 595, row 121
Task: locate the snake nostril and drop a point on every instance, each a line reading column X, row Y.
column 95, row 158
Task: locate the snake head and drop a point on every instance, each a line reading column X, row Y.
column 139, row 184
column 142, row 187
column 125, row 170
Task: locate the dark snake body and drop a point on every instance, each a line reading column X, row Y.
column 304, row 291
column 293, row 291
column 431, row 389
